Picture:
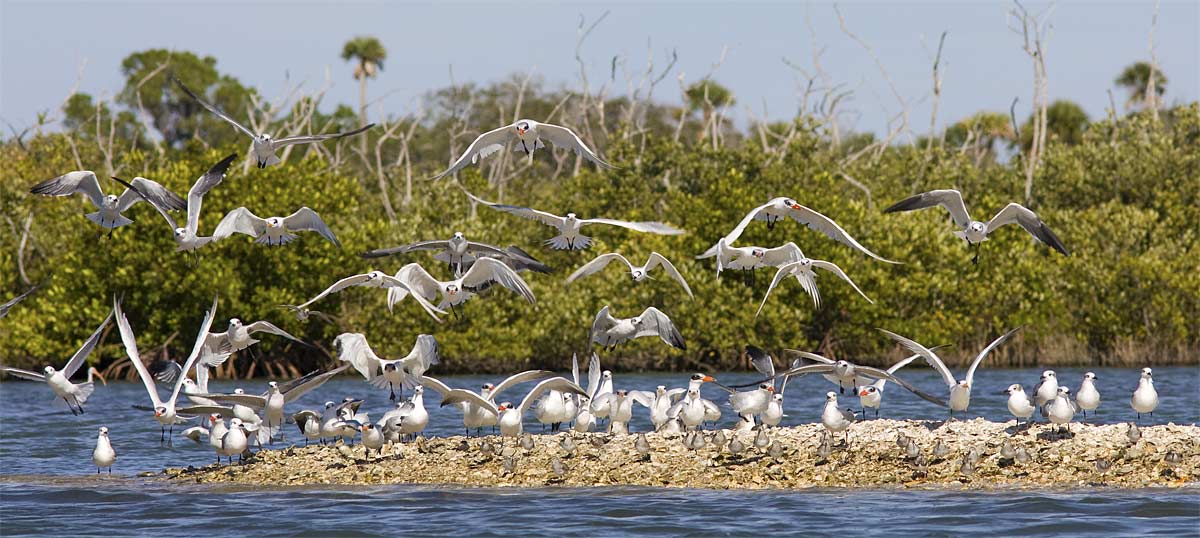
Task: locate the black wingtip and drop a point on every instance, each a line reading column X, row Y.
column 903, row 205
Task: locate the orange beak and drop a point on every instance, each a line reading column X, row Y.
column 797, row 206
column 158, row 413
column 770, row 389
column 708, row 379
column 863, row 393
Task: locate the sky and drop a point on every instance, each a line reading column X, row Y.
column 742, row 45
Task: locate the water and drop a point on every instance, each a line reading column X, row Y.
column 47, row 482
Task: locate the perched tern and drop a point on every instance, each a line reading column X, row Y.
column 372, row 439
column 1145, row 398
column 264, row 145
column 410, row 419
column 975, row 232
column 404, row 372
column 778, row 209
column 609, row 331
column 835, row 419
column 309, row 424
column 234, row 441
column 59, row 381
column 620, row 407
column 187, row 238
column 1088, row 398
column 110, row 207
column 1046, row 389
column 273, row 231
column 638, row 272
column 1019, row 403
column 528, row 136
column 960, row 391
column 103, row 455
column 569, row 226
column 1061, row 409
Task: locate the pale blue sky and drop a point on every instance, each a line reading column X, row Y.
column 42, row 43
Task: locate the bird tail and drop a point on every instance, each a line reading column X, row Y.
column 286, row 238
column 559, row 242
column 98, row 219
column 271, row 161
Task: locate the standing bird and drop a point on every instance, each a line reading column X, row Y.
column 372, row 439
column 59, row 381
column 404, row 372
column 510, row 417
column 804, row 271
column 872, row 395
column 187, row 238
column 474, row 416
column 1045, row 390
column 482, row 274
column 638, row 272
column 264, row 145
column 960, row 391
column 528, row 136
column 1061, row 409
column 410, row 419
column 110, row 207
column 460, row 253
column 309, row 423
column 620, row 407
column 569, row 226
column 235, row 441
column 609, row 331
column 372, row 279
column 835, row 419
column 1145, row 398
column 1020, row 404
column 1088, row 398
column 274, row 231
column 272, row 402
column 975, row 232
column 103, row 455
column 750, row 404
column 778, row 209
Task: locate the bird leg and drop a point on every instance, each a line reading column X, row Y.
column 393, row 389
column 69, row 406
column 162, row 436
column 975, row 259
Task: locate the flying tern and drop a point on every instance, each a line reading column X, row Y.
column 778, row 209
column 273, row 231
column 110, row 207
column 460, row 253
column 638, row 272
column 373, row 279
column 528, row 136
column 569, row 226
column 59, row 381
column 609, row 331
column 404, row 372
column 188, row 237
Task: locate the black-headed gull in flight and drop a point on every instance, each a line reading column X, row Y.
column 59, row 381
column 528, row 136
column 568, row 227
column 273, row 231
column 264, row 145
column 975, row 232
column 638, row 272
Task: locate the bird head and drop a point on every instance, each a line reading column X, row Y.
column 488, row 387
column 660, row 390
column 419, row 390
column 758, row 252
column 766, row 387
column 49, row 370
column 1146, row 373
column 374, row 275
column 180, row 233
column 1048, row 374
column 963, row 383
column 791, row 203
column 238, row 391
column 1089, row 376
column 160, row 411
column 328, row 405
column 212, row 419
column 111, row 199
column 367, row 427
column 867, row 391
column 234, row 323
column 637, row 274
column 977, row 226
column 274, row 222
column 451, row 289
column 692, row 393
column 607, row 375
column 570, row 216
column 504, row 406
column 777, row 397
column 831, row 396
column 1013, row 389
column 265, row 137
column 273, row 384
column 622, row 393
column 522, row 128
column 104, row 431
column 458, row 235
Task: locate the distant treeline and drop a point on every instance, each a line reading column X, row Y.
column 1122, row 196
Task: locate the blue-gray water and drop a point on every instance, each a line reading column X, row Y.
column 48, row 485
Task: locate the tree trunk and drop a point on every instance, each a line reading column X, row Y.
column 362, row 102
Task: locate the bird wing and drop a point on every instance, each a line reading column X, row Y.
column 201, row 337
column 462, row 395
column 596, row 265
column 658, row 324
column 930, row 356
column 474, row 246
column 151, row 191
column 784, row 271
column 831, row 229
column 761, row 361
column 23, row 374
column 520, row 260
column 947, row 198
column 483, row 146
column 242, row 221
column 1028, row 220
column 355, row 350
column 253, row 401
column 575, row 368
column 979, row 358
column 309, row 383
column 268, row 327
column 4, row 308
column 549, row 219
column 603, row 401
column 881, row 374
column 83, row 182
column 810, row 356
column 398, row 289
column 419, row 281
column 423, row 355
column 881, row 382
column 517, row 379
column 602, row 322
column 486, row 270
column 657, row 259
column 565, row 138
column 785, row 253
column 594, row 374
column 308, row 139
column 660, row 228
column 205, row 183
column 435, row 384
column 132, row 351
column 307, row 220
column 340, row 285
column 438, row 244
column 81, row 355
column 560, row 384
column 833, row 268
column 734, row 234
column 216, row 110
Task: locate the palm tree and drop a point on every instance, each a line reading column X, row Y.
column 369, row 53
column 1135, row 78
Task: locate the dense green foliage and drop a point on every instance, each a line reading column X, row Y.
column 1121, row 194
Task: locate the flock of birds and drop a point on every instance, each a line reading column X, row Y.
column 232, row 423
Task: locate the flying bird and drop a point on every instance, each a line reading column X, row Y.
column 264, row 145
column 460, row 253
column 455, row 292
column 975, row 232
column 59, row 381
column 804, row 271
column 780, row 208
column 528, row 135
column 4, row 308
column 187, row 238
column 110, row 207
column 569, row 226
column 274, row 231
column 960, row 390
column 404, row 372
column 609, row 331
column 638, row 272
column 475, row 417
column 373, row 279
column 236, row 336
column 750, row 258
